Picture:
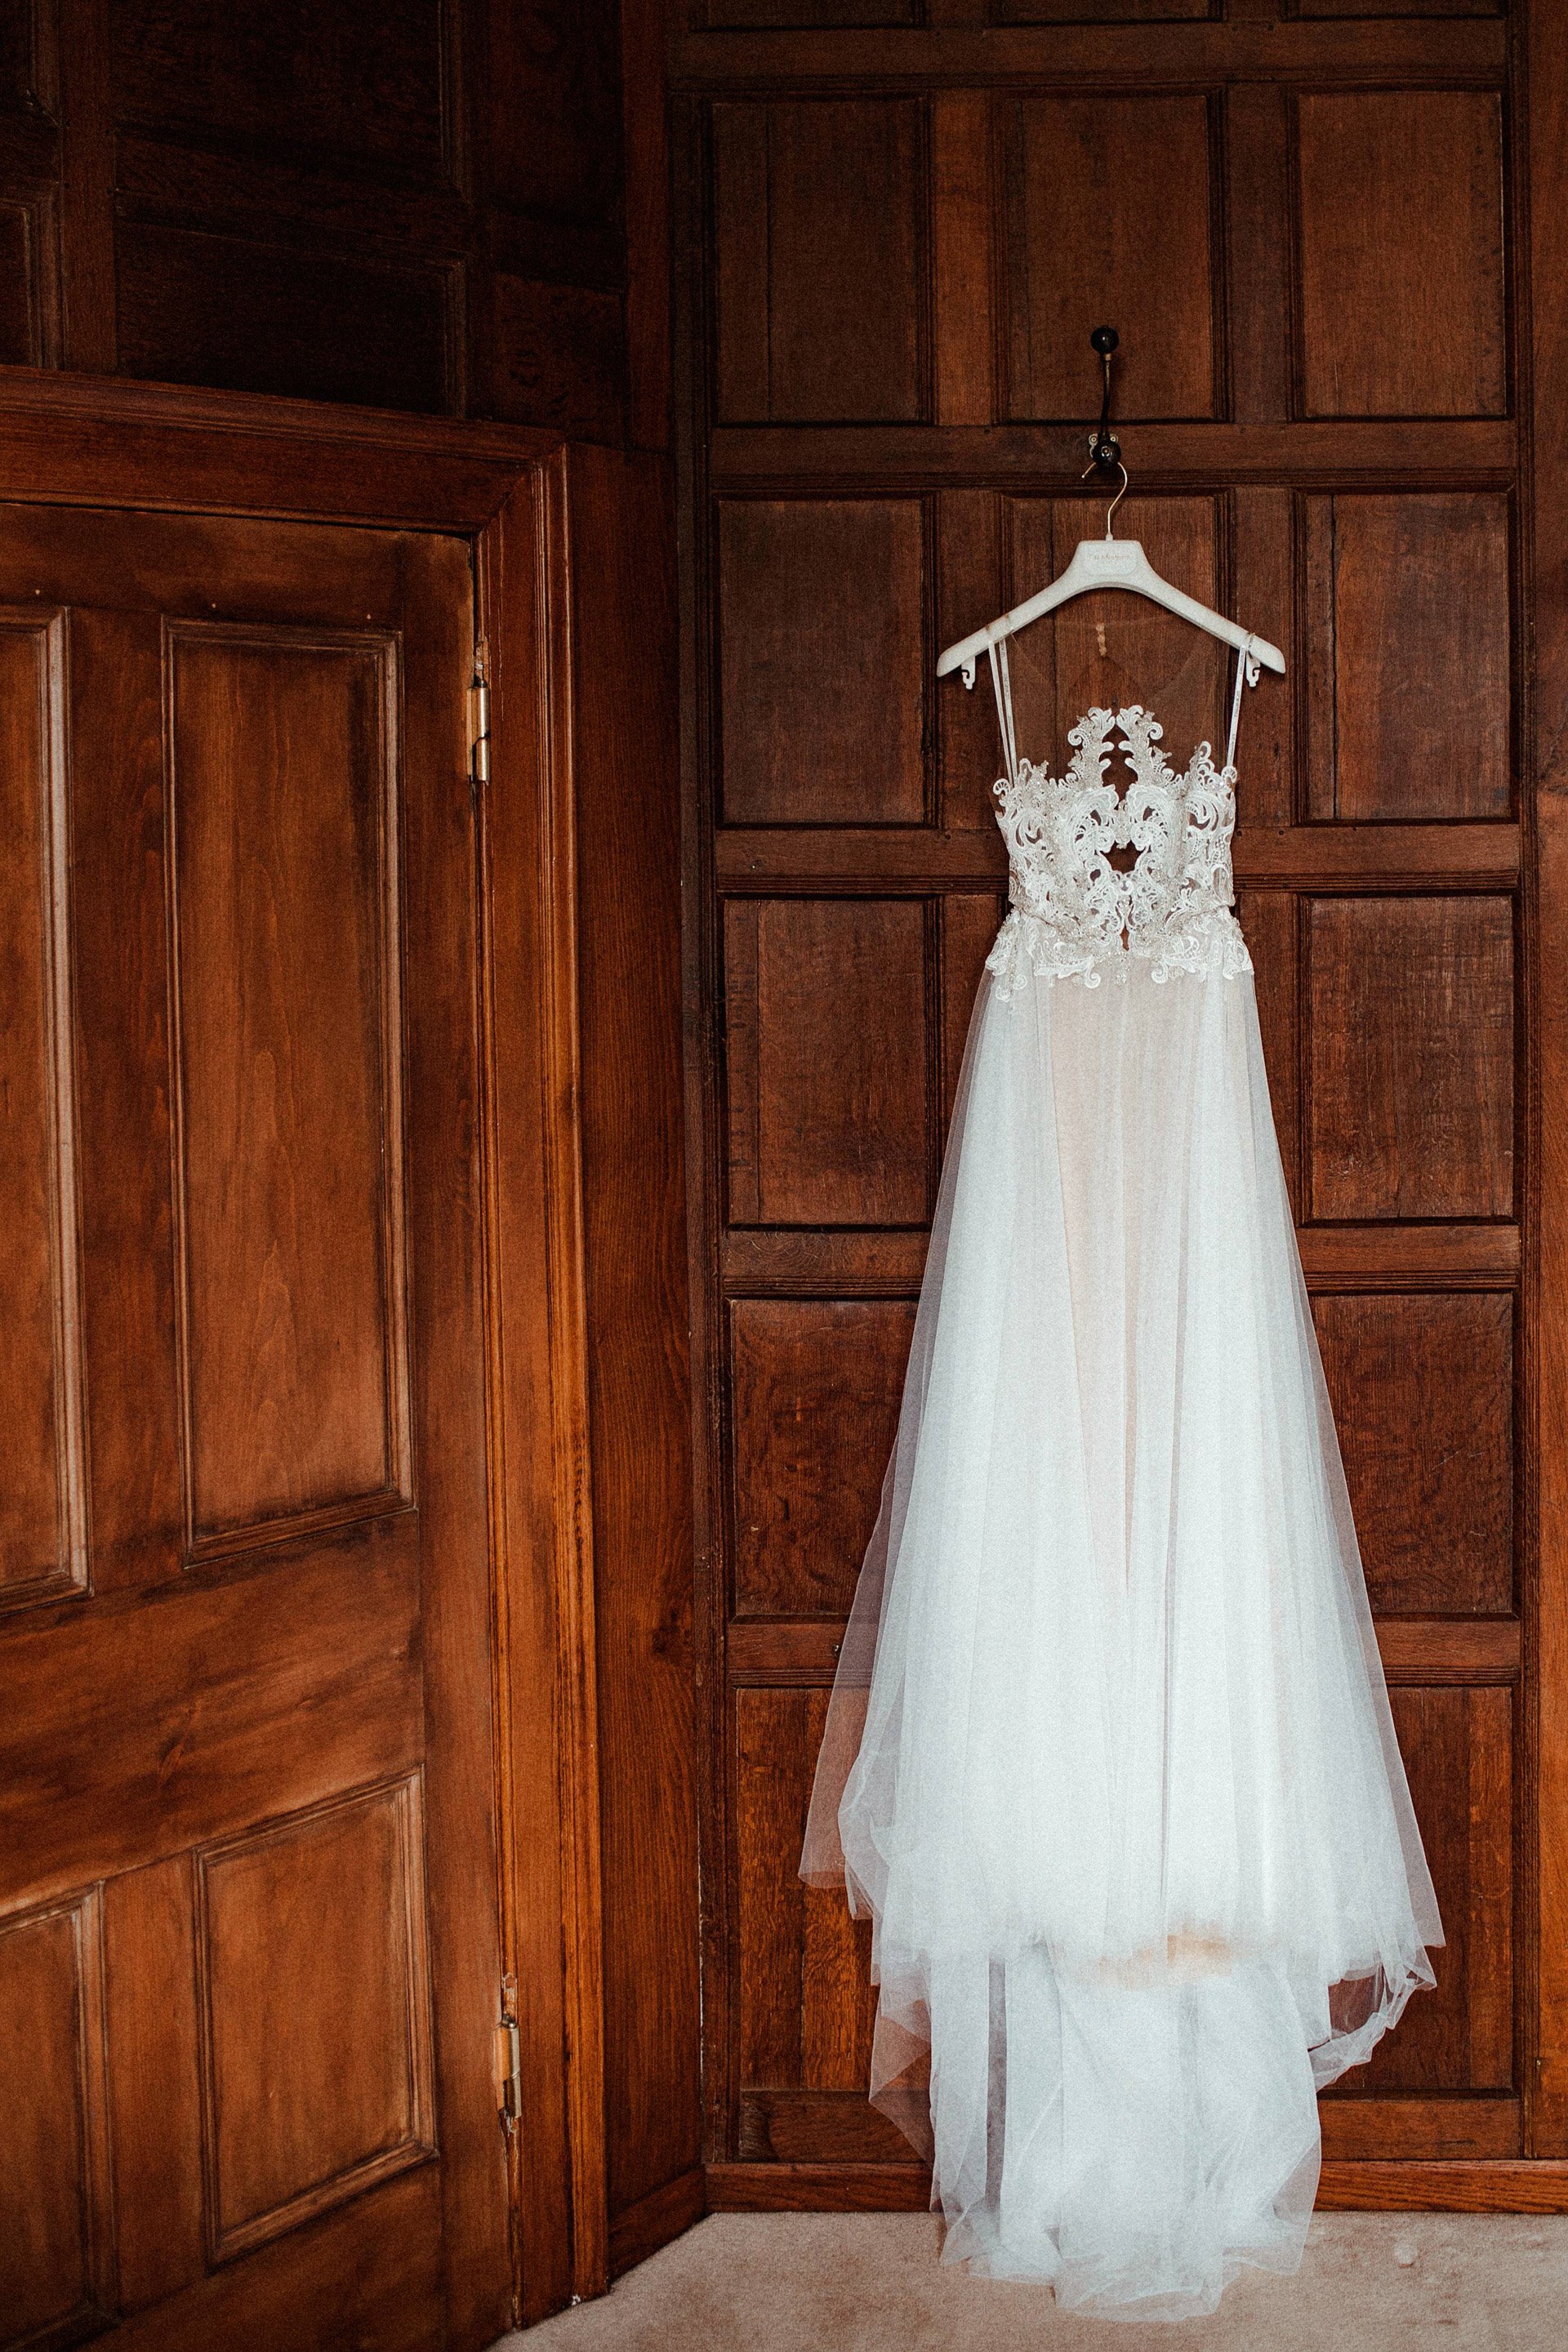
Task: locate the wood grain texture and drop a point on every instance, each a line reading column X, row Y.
column 1107, row 212
column 627, row 810
column 965, row 294
column 1458, row 1751
column 56, row 2241
column 424, row 207
column 1401, row 294
column 43, row 1526
column 969, row 587
column 154, row 2080
column 1408, row 656
column 805, row 2006
column 173, row 1706
column 1412, row 1057
column 1193, row 455
column 537, row 1543
column 1482, row 2185
column 1423, row 1394
column 798, row 341
column 329, row 2286
column 1547, row 1278
column 316, row 2072
column 813, row 1406
column 282, row 807
column 829, row 1103
column 640, row 2230
column 809, row 736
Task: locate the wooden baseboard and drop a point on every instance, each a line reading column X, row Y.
column 1490, row 2185
column 663, row 2214
column 1487, row 2185
column 818, row 2188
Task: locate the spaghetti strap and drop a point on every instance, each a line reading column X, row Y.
column 1245, row 674
column 1002, row 682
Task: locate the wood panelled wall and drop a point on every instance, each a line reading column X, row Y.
column 421, row 205
column 897, row 226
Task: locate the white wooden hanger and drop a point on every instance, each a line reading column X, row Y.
column 1108, row 562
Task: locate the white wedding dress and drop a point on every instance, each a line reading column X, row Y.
column 1109, row 1758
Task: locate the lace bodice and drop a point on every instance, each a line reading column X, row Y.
column 1076, row 915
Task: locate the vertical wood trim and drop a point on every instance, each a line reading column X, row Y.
column 577, row 1661
column 1256, row 261
column 645, row 40
column 88, row 337
column 1546, row 425
column 537, row 1369
column 964, row 326
column 694, row 273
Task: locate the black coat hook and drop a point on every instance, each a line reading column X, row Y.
column 1104, row 449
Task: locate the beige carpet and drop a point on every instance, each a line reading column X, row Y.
column 871, row 2282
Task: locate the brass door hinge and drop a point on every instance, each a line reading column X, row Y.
column 479, row 716
column 508, row 2059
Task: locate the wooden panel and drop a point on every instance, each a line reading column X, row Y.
column 18, row 53
column 822, row 625
column 1422, row 1386
column 283, row 814
column 1411, row 1004
column 321, row 2289
column 963, row 262
column 57, row 2266
column 316, row 2035
column 829, row 1109
column 1458, row 1751
column 818, row 210
column 969, row 590
column 1546, row 1434
column 363, row 78
column 548, row 83
column 807, row 2006
column 1401, row 221
column 637, row 1320
column 151, row 1730
column 27, row 289
column 793, row 2127
column 154, row 2078
column 816, row 1393
column 1104, row 12
column 1402, row 7
column 1110, row 648
column 1108, row 216
column 1407, row 653
column 43, row 1533
column 767, row 15
column 193, row 306
column 558, row 358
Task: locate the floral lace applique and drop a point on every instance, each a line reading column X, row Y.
column 1074, row 915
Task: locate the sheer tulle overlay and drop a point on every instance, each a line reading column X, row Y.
column 1109, row 1759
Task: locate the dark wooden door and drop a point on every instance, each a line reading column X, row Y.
column 248, row 1962
column 1308, row 223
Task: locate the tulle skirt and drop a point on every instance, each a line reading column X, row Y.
column 1109, row 1758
